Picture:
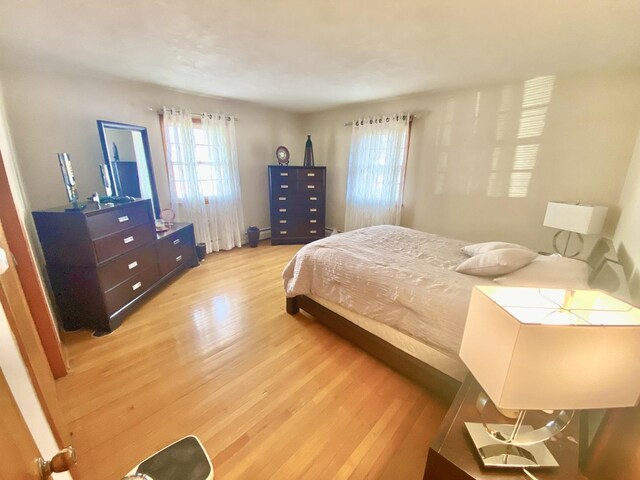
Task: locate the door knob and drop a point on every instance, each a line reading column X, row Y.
column 60, row 462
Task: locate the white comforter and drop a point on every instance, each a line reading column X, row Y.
column 394, row 275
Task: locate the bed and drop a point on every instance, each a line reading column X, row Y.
column 396, row 293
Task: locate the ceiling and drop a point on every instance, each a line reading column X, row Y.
column 309, row 55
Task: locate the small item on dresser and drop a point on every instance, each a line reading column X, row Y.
column 161, row 226
column 282, row 154
column 308, row 153
column 69, row 182
column 96, row 199
column 106, row 181
column 168, row 216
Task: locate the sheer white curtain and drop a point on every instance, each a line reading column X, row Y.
column 202, row 163
column 376, row 170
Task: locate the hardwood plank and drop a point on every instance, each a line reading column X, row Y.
column 270, row 395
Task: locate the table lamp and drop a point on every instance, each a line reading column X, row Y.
column 574, row 218
column 547, row 349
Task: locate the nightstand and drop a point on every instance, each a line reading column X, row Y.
column 452, row 455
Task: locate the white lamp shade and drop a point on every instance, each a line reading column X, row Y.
column 584, row 219
column 538, row 349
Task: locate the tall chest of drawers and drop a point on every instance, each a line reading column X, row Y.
column 297, row 201
column 102, row 262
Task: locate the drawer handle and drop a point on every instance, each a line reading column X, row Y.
column 282, row 198
column 123, row 219
column 283, row 221
column 313, row 221
column 313, row 198
column 176, row 241
column 132, row 265
column 128, row 239
column 311, row 186
column 136, row 286
column 283, row 232
column 311, row 174
column 312, row 231
column 313, row 209
column 282, row 209
column 284, row 174
column 179, row 258
column 284, row 186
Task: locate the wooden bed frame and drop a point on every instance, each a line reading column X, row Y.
column 426, row 375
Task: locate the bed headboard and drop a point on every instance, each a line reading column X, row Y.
column 606, row 271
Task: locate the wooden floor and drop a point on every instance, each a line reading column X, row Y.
column 270, row 395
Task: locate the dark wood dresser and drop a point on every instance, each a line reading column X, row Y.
column 297, row 200
column 102, row 262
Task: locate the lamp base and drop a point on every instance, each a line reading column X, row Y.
column 579, row 248
column 501, row 455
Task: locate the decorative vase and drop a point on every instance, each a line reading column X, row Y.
column 308, row 153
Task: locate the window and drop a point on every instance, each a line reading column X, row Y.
column 377, row 162
column 210, row 153
column 204, row 177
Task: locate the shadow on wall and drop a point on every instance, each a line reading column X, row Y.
column 515, row 122
column 631, row 271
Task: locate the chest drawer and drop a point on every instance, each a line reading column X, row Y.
column 306, row 198
column 175, row 251
column 309, row 186
column 127, row 291
column 112, row 221
column 298, row 231
column 125, row 266
column 121, row 242
column 310, row 174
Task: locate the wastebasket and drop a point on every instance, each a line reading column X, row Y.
column 254, row 236
column 201, row 251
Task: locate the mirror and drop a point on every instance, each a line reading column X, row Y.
column 126, row 153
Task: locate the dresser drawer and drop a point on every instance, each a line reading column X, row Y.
column 296, row 208
column 309, row 186
column 298, row 231
column 121, row 242
column 127, row 291
column 175, row 251
column 290, row 198
column 112, row 221
column 125, row 266
column 283, row 186
column 312, row 174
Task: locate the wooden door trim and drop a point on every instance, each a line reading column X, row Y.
column 29, row 278
column 18, row 315
column 16, row 440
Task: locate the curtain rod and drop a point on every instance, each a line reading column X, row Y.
column 228, row 117
column 412, row 116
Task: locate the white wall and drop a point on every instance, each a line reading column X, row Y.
column 627, row 237
column 580, row 139
column 50, row 113
column 17, row 190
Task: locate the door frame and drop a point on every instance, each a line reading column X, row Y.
column 23, row 328
column 29, row 277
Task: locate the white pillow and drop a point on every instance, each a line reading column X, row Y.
column 497, row 262
column 552, row 271
column 484, row 247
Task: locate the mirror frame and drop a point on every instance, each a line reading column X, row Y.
column 104, row 124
